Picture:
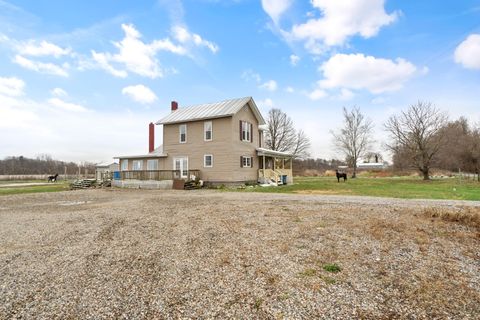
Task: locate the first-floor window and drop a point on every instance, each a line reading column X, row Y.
column 246, row 162
column 152, row 164
column 208, row 161
column 137, row 164
column 124, row 165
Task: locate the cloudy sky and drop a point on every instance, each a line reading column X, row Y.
column 81, row 80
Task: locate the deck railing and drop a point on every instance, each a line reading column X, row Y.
column 158, row 174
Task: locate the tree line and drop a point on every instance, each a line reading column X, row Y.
column 421, row 137
column 42, row 164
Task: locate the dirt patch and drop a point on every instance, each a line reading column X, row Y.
column 207, row 254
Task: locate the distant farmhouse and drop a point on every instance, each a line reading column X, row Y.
column 219, row 143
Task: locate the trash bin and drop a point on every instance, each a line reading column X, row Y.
column 284, row 179
column 116, row 175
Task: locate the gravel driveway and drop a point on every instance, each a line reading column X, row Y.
column 137, row 254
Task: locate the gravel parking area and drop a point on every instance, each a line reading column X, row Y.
column 136, row 254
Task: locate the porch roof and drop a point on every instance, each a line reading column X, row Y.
column 273, row 153
column 156, row 153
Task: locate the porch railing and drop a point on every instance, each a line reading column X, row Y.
column 158, row 174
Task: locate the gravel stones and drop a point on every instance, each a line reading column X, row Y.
column 137, row 254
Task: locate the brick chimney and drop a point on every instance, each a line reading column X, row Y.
column 151, row 137
column 174, row 105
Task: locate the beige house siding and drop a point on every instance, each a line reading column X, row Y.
column 196, row 147
column 244, row 148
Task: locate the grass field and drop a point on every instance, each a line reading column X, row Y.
column 58, row 186
column 408, row 187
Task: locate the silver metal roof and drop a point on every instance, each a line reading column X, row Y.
column 156, row 153
column 211, row 110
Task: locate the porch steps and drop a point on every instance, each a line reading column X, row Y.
column 191, row 185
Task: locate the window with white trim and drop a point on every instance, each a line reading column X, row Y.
column 246, row 162
column 152, row 164
column 246, row 131
column 208, row 161
column 183, row 133
column 137, row 164
column 124, row 165
column 207, row 130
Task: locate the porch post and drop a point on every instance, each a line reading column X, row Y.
column 283, row 163
column 274, row 160
column 263, row 170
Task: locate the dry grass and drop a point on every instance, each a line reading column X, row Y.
column 469, row 216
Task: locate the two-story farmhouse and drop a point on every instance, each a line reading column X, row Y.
column 221, row 143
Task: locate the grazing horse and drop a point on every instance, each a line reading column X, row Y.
column 341, row 175
column 53, row 178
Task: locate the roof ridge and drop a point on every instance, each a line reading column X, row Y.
column 213, row 102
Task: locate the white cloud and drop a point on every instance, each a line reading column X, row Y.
column 11, row 86
column 182, row 35
column 140, row 93
column 102, row 60
column 294, row 59
column 34, row 127
column 357, row 71
column 59, row 92
column 42, row 67
column 317, row 94
column 134, row 55
column 340, row 20
column 67, row 106
column 346, row 94
column 270, row 85
column 250, row 75
column 139, row 57
column 44, row 48
column 289, row 89
column 275, row 8
column 468, row 52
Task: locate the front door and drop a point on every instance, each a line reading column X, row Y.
column 180, row 164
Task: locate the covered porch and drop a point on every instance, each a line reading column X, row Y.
column 274, row 167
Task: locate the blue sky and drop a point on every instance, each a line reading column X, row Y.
column 81, row 80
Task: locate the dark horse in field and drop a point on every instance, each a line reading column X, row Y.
column 341, row 175
column 53, row 178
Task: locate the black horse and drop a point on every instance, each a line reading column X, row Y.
column 341, row 175
column 53, row 178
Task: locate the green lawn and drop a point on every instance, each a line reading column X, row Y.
column 414, row 188
column 59, row 186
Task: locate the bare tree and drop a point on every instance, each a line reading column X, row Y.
column 417, row 131
column 355, row 138
column 470, row 154
column 282, row 136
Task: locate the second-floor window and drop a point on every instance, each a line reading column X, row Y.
column 246, row 131
column 207, row 130
column 183, row 133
